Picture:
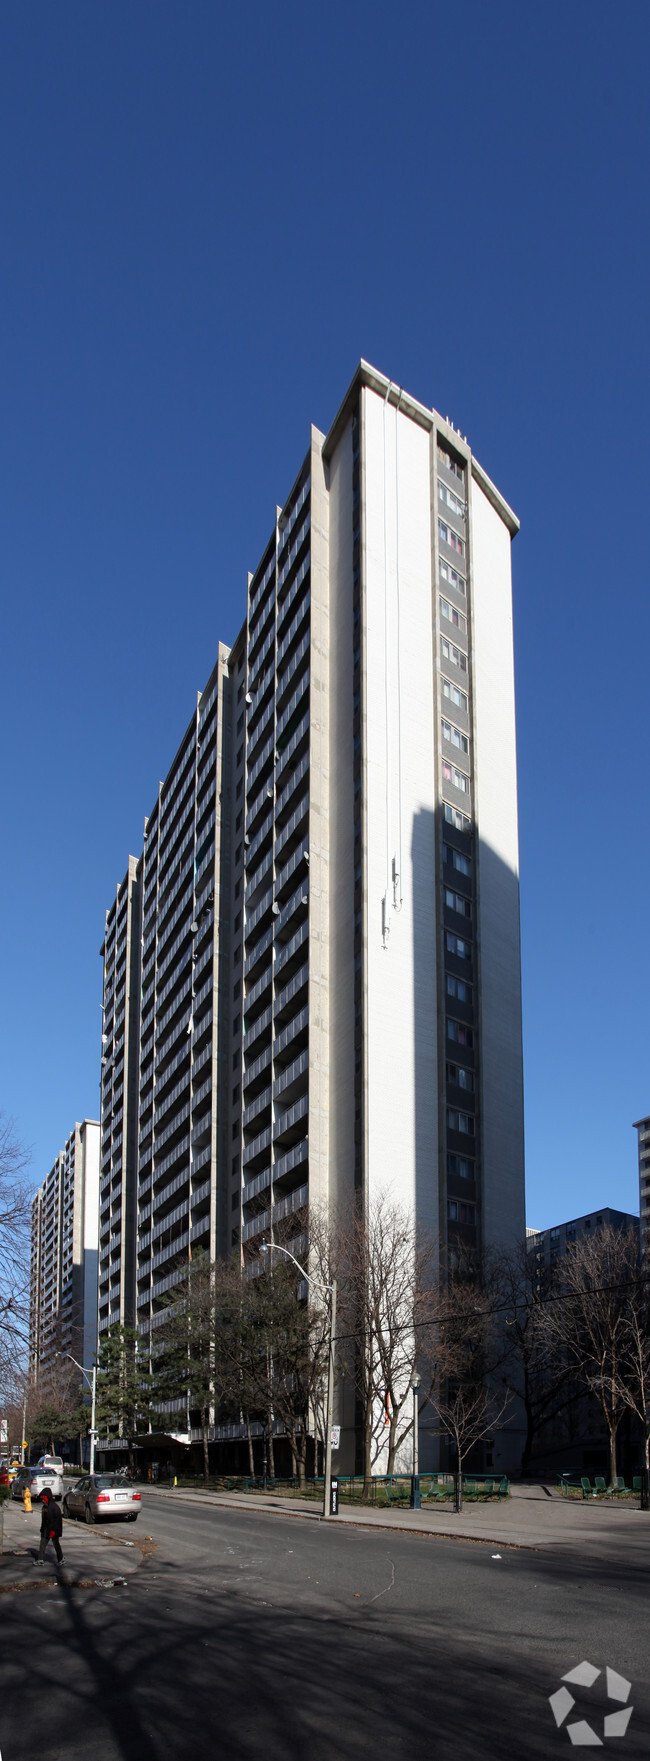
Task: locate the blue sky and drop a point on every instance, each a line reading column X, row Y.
column 208, row 215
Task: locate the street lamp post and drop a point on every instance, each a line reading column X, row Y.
column 416, row 1503
column 273, row 1247
column 92, row 1384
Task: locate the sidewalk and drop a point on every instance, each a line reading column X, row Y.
column 531, row 1517
column 87, row 1553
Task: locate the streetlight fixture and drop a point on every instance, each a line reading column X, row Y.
column 416, row 1502
column 273, row 1247
column 92, row 1384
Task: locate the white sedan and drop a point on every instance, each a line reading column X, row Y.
column 39, row 1480
column 97, row 1496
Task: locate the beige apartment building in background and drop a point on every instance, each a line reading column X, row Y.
column 63, row 1256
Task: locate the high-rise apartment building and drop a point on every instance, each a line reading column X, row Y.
column 334, row 853
column 120, row 952
column 63, row 1263
column 642, row 1128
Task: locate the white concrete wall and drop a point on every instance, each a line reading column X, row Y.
column 341, row 826
column 498, row 876
column 401, row 975
column 90, row 1144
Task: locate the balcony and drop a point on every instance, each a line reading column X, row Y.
column 258, row 1028
column 298, row 1025
column 284, row 875
column 299, row 734
column 294, row 626
column 253, row 1151
column 289, row 1126
column 292, row 707
column 258, row 951
column 257, row 1107
column 299, row 902
column 292, row 824
column 287, row 996
column 291, row 1077
column 257, row 1068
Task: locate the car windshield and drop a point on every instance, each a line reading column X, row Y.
column 105, row 1482
column 44, row 1473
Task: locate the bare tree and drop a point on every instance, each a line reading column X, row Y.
column 14, row 1250
column 588, row 1319
column 534, row 1367
column 635, row 1366
column 466, row 1412
column 183, row 1357
column 393, row 1312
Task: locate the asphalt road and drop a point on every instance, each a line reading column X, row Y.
column 255, row 1636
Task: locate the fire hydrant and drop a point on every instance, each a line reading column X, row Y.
column 27, row 1499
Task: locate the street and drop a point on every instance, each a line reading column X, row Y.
column 248, row 1635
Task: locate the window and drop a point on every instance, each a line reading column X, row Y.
column 240, row 723
column 239, row 787
column 455, row 859
column 453, row 817
column 460, row 1121
column 460, row 1167
column 237, row 955
column 240, row 691
column 235, row 1129
column 447, row 536
column 455, row 655
column 451, row 500
column 451, row 464
column 238, row 853
column 237, row 888
column 457, row 777
column 452, row 577
column 238, row 922
column 235, row 1094
column 452, row 615
column 458, row 1211
column 236, row 989
column 570, row 1231
column 238, row 822
column 235, row 1059
column 449, row 732
column 462, row 1078
column 457, row 1031
column 458, row 988
column 458, row 902
column 234, row 1202
column 458, row 945
column 454, row 694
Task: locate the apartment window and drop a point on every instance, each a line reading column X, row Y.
column 454, row 735
column 457, row 1121
column 458, row 1211
column 457, row 777
column 237, row 924
column 570, row 1231
column 240, row 723
column 237, row 888
column 455, row 859
column 238, row 822
column 459, row 1033
column 240, row 755
column 458, row 902
column 239, row 788
column 451, row 464
column 240, row 691
column 234, row 1202
column 452, row 654
column 235, row 1059
column 460, row 1166
column 452, row 577
column 235, row 1130
column 237, row 955
column 458, row 945
column 235, row 1094
column 238, row 852
column 454, row 817
column 454, row 694
column 236, row 1026
column 462, row 1078
column 235, row 1165
column 447, row 536
column 236, row 989
column 451, row 500
column 453, row 616
column 458, row 988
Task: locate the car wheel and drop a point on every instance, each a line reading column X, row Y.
column 89, row 1515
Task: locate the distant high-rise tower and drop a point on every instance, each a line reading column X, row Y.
column 642, row 1128
column 63, row 1266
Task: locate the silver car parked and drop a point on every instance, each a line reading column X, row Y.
column 37, row 1478
column 98, row 1496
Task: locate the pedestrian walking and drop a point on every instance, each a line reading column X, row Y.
column 51, row 1527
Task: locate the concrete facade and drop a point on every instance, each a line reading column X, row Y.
column 63, row 1259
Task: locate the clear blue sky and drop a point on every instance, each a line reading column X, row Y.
column 208, row 215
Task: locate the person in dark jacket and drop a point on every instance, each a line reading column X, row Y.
column 51, row 1527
